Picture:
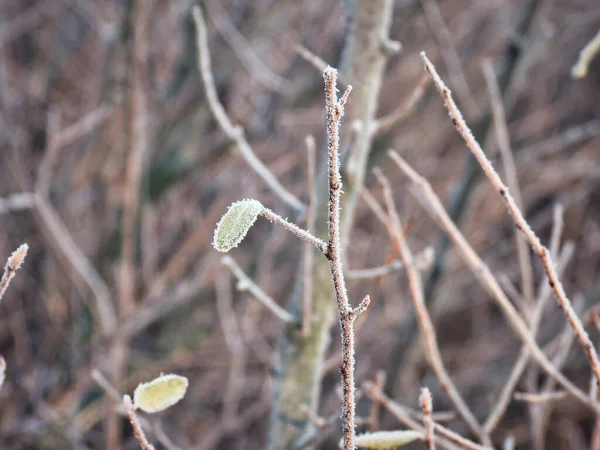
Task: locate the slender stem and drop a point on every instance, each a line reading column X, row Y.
column 347, row 315
column 135, row 423
column 426, row 325
column 484, row 275
column 246, row 284
column 518, row 218
column 233, row 132
column 427, row 408
column 302, row 234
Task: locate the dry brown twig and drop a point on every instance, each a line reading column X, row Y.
column 510, row 169
column 432, row 351
column 534, row 318
column 520, row 221
column 311, row 217
column 406, row 108
column 246, row 284
column 243, row 49
column 541, row 397
column 236, row 346
column 483, row 274
column 234, row 132
column 444, row 39
column 138, row 143
column 422, row 262
column 427, row 408
column 450, row 439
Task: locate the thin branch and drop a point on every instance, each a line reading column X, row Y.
column 2, row 370
column 135, row 423
column 375, row 405
column 316, row 61
column 57, row 139
column 334, row 111
column 244, row 51
column 520, row 221
column 138, row 147
column 235, row 344
column 427, row 408
column 311, row 218
column 438, row 28
column 65, row 245
column 587, row 53
column 511, row 176
column 246, row 284
column 302, row 234
column 422, row 261
column 487, row 280
column 497, row 412
column 405, row 108
column 13, row 263
column 375, row 393
column 428, row 333
column 235, row 133
column 541, row 397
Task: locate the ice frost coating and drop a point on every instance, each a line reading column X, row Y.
column 234, row 225
column 386, row 440
column 160, row 393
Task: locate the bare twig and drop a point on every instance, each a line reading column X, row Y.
column 422, row 262
column 520, row 221
column 587, row 53
column 511, row 176
column 13, row 263
column 375, row 405
column 135, row 423
column 487, row 280
column 246, row 284
column 243, row 49
column 65, row 245
column 541, row 397
column 311, row 217
column 235, row 133
column 428, row 333
column 335, row 110
column 404, row 417
column 504, row 398
column 405, row 108
column 57, row 139
column 138, row 143
column 235, row 344
column 427, row 408
column 438, row 28
column 316, row 61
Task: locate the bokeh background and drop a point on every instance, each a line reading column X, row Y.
column 65, row 125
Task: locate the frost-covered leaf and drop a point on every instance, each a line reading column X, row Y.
column 236, row 222
column 160, row 393
column 385, row 440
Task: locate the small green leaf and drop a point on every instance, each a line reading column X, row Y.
column 385, row 440
column 236, row 222
column 160, row 393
